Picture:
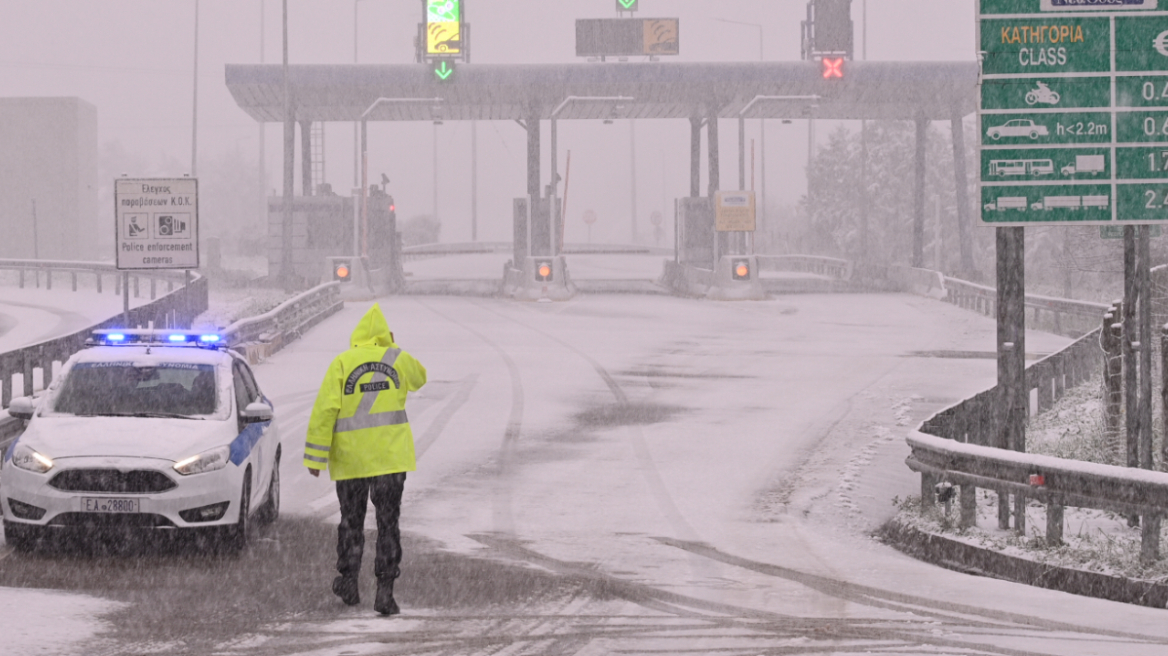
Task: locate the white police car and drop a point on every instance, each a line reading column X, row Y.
column 144, row 429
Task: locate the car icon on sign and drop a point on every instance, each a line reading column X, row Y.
column 1019, row 127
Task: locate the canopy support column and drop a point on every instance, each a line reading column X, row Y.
column 918, row 237
column 695, row 157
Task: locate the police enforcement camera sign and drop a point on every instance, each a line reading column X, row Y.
column 157, row 223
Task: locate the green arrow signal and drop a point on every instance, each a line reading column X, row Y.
column 444, row 71
column 628, row 4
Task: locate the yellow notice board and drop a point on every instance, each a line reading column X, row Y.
column 660, row 36
column 734, row 211
column 443, row 38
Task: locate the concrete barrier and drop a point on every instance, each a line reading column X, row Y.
column 727, row 288
column 523, row 286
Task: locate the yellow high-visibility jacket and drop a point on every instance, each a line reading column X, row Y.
column 358, row 427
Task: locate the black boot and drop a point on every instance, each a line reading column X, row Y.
column 384, row 602
column 346, row 588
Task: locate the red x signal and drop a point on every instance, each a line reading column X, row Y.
column 833, row 68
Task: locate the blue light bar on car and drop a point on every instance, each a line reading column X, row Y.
column 147, row 337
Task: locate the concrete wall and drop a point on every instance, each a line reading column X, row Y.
column 48, row 153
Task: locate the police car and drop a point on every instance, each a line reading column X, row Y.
column 144, row 429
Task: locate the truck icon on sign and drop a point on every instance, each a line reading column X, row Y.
column 1007, row 203
column 1086, row 164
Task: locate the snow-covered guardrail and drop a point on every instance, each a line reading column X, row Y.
column 1060, row 315
column 177, row 308
column 99, row 270
column 831, row 267
column 1057, row 482
column 260, row 336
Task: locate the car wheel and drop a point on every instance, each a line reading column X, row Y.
column 270, row 511
column 995, row 135
column 22, row 538
column 1034, row 134
column 235, row 537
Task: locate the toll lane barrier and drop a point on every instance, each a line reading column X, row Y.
column 737, row 279
column 542, row 278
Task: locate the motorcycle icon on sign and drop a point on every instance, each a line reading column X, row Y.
column 1043, row 94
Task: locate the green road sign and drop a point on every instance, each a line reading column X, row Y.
column 1116, row 231
column 1141, row 91
column 1073, row 122
column 1143, row 163
column 443, row 11
column 1041, row 46
column 991, row 7
column 1141, row 44
column 1142, row 202
column 444, row 70
column 1045, row 129
column 1048, row 93
column 1046, row 165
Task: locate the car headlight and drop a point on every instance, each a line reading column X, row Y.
column 206, row 461
column 26, row 458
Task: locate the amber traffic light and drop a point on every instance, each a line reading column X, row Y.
column 740, row 269
column 342, row 272
column 543, row 271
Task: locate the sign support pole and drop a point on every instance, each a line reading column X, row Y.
column 126, row 299
column 1131, row 299
column 1011, row 312
column 1145, row 335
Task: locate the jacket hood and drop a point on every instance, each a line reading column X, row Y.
column 372, row 330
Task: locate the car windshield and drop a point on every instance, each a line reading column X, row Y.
column 127, row 389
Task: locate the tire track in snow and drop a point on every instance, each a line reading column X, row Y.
column 504, row 518
column 636, row 435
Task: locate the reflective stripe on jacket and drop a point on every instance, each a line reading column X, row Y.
column 358, row 426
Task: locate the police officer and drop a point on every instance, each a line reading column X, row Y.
column 359, row 431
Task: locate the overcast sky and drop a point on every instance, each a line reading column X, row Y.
column 133, row 60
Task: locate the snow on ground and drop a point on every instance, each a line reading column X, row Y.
column 735, row 454
column 32, row 315
column 45, row 622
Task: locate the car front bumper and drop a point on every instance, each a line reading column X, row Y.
column 155, row 510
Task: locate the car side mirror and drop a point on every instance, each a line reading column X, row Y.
column 22, row 408
column 256, row 412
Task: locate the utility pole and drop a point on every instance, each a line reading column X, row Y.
column 474, row 180
column 195, row 103
column 1012, row 406
column 286, row 272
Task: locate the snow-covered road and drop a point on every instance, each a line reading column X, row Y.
column 626, row 474
column 32, row 315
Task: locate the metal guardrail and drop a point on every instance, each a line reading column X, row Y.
column 1057, row 482
column 824, row 266
column 51, row 268
column 178, row 308
column 1062, row 316
column 959, row 445
column 260, row 336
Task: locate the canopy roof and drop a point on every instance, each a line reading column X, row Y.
column 412, row 92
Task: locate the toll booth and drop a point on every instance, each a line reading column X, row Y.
column 328, row 226
column 695, row 235
column 541, row 233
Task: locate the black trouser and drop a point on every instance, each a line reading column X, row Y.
column 386, row 492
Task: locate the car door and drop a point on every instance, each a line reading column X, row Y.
column 245, row 394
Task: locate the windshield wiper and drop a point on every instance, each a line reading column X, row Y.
column 150, row 415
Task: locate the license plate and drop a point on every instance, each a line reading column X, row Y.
column 102, row 505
